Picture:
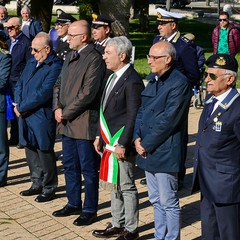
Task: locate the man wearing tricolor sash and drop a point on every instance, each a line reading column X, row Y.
column 120, row 102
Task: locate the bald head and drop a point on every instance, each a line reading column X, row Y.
column 79, row 34
column 161, row 57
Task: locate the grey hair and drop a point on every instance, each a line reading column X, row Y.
column 122, row 45
column 46, row 37
column 234, row 74
column 4, row 9
column 171, row 51
column 25, row 7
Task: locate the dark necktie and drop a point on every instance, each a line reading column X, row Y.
column 211, row 107
column 109, row 87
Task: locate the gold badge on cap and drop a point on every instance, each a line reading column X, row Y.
column 159, row 16
column 94, row 17
column 221, row 61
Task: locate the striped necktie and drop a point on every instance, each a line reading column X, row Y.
column 109, row 87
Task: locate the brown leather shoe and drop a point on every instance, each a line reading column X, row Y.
column 126, row 235
column 109, row 232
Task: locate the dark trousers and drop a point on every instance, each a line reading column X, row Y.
column 4, row 149
column 79, row 157
column 220, row 221
column 14, row 134
column 43, row 170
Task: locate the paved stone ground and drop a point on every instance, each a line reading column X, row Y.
column 23, row 218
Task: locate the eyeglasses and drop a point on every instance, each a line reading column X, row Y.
column 222, row 19
column 214, row 76
column 154, row 58
column 36, row 50
column 61, row 25
column 11, row 27
column 74, row 35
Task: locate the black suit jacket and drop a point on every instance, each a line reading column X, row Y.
column 122, row 105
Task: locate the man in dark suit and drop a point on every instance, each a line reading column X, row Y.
column 76, row 108
column 217, row 152
column 33, row 106
column 158, row 137
column 120, row 102
column 62, row 24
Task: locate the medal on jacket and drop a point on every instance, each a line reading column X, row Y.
column 218, row 126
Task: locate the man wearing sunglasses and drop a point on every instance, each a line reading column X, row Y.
column 33, row 106
column 19, row 45
column 225, row 36
column 217, row 152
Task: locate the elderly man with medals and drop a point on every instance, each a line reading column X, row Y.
column 217, row 153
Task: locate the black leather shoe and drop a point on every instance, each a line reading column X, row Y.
column 66, row 211
column 45, row 197
column 31, row 192
column 109, row 232
column 3, row 184
column 85, row 219
column 143, row 181
column 19, row 146
column 126, row 235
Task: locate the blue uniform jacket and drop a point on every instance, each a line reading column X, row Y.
column 217, row 152
column 161, row 122
column 33, row 95
column 186, row 61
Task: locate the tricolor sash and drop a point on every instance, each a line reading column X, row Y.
column 109, row 163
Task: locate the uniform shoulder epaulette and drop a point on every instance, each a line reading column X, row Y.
column 185, row 39
column 4, row 51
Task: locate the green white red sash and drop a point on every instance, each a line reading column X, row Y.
column 109, row 163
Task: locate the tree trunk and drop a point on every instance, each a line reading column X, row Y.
column 168, row 5
column 120, row 12
column 143, row 18
column 42, row 10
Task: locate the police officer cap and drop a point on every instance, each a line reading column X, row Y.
column 3, row 36
column 64, row 17
column 223, row 61
column 164, row 16
column 101, row 20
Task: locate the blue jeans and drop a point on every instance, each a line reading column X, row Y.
column 79, row 157
column 162, row 192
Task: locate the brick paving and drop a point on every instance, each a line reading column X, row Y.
column 23, row 218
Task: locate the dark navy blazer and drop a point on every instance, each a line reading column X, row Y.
column 217, row 153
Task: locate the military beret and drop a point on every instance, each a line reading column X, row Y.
column 3, row 36
column 64, row 17
column 223, row 61
column 101, row 20
column 164, row 16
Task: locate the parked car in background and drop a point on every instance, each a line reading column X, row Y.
column 174, row 3
column 65, row 2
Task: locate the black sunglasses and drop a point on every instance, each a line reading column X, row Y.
column 213, row 76
column 223, row 19
column 36, row 50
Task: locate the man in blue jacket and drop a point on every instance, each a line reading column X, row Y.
column 159, row 134
column 33, row 106
column 19, row 49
